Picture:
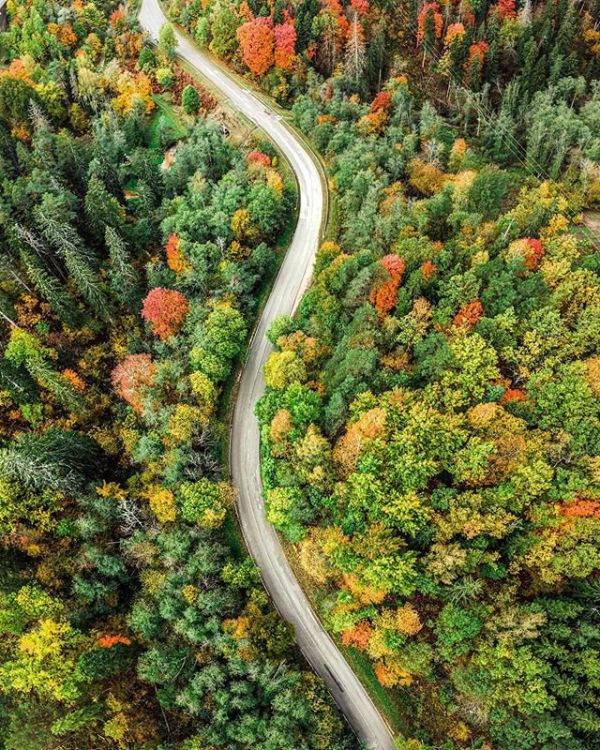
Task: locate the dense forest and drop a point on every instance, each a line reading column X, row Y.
column 136, row 240
column 431, row 431
column 431, row 427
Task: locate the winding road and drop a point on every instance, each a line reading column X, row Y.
column 292, row 280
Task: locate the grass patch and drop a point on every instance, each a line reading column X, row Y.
column 382, row 698
column 166, row 117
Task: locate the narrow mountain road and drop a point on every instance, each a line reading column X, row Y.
column 290, row 284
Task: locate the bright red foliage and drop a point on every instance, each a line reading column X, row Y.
column 257, row 157
column 285, row 45
column 257, row 42
column 131, row 376
column 165, row 310
column 384, row 293
column 469, row 314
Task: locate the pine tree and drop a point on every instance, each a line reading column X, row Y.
column 307, row 10
column 123, row 278
column 79, row 259
column 50, row 288
column 101, row 207
column 17, row 381
column 190, row 100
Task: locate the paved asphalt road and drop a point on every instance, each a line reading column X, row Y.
column 292, row 280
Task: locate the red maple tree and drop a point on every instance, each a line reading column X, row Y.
column 536, row 252
column 257, row 157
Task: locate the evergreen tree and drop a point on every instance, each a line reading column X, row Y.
column 123, row 277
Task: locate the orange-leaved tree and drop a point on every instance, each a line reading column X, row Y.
column 257, row 42
column 165, row 310
column 385, row 291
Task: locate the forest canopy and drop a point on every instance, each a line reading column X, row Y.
column 136, row 240
column 430, row 431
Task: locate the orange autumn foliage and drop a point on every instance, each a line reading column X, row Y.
column 581, row 508
column 438, row 21
column 360, row 6
column 452, row 32
column 108, row 641
column 506, row 9
column 370, row 425
column 257, row 43
column 74, row 379
column 383, row 100
column 469, row 315
column 535, row 252
column 165, row 310
column 477, row 51
column 384, row 675
column 513, row 394
column 359, row 636
column 175, row 259
column 428, row 269
column 384, row 292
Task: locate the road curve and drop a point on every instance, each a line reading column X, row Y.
column 292, row 280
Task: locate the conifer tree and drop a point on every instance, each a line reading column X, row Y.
column 123, row 278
